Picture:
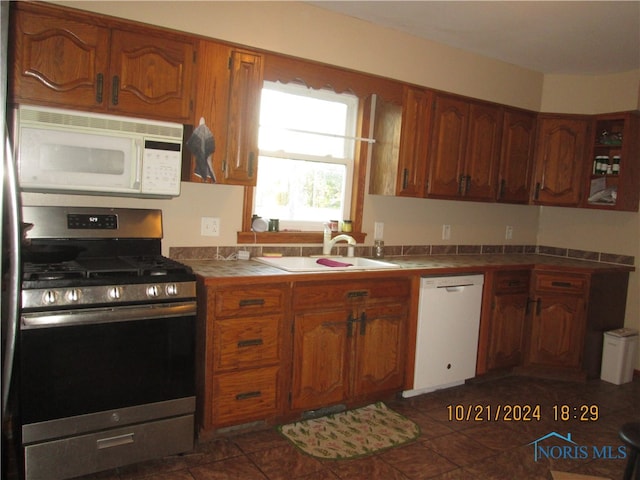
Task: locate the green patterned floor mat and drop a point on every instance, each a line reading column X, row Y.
column 354, row 433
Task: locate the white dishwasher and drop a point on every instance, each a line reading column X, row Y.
column 447, row 336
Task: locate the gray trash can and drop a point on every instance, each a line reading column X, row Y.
column 618, row 355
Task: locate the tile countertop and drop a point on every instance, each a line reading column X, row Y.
column 419, row 265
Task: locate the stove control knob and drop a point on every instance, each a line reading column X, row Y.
column 49, row 297
column 172, row 289
column 73, row 295
column 153, row 291
column 114, row 293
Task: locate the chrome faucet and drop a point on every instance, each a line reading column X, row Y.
column 328, row 242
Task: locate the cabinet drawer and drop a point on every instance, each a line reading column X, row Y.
column 245, row 396
column 248, row 300
column 560, row 283
column 512, row 282
column 246, row 342
column 314, row 294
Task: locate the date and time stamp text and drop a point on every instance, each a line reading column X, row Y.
column 522, row 413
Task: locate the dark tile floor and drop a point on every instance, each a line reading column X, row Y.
column 446, row 449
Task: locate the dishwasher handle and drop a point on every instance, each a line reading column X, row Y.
column 456, row 288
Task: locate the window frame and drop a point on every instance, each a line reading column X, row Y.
column 347, row 159
column 317, row 75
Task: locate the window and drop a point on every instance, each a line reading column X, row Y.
column 306, row 160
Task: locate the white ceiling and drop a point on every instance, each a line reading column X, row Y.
column 570, row 37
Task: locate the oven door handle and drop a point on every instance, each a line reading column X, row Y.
column 91, row 316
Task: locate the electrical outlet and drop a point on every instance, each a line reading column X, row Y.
column 508, row 233
column 210, row 226
column 378, row 230
column 446, row 232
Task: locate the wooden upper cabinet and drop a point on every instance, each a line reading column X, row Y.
column 245, row 86
column 151, row 75
column 448, row 142
column 483, row 152
column 389, row 124
column 399, row 154
column 559, row 160
column 615, row 144
column 465, row 149
column 516, row 157
column 228, row 100
column 416, row 125
column 57, row 60
column 65, row 59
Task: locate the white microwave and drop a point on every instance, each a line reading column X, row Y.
column 65, row 151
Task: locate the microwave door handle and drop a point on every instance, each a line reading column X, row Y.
column 138, row 179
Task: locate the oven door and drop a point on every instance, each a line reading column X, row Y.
column 80, row 362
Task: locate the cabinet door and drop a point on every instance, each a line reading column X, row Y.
column 380, row 342
column 507, row 329
column 448, row 142
column 483, row 152
column 58, row 61
column 560, row 158
column 320, row 363
column 416, row 119
column 151, row 75
column 516, row 158
column 557, row 333
column 241, row 162
column 388, row 126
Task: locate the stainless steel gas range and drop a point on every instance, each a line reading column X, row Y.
column 106, row 343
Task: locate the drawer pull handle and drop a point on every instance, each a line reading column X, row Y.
column 357, row 294
column 252, row 342
column 251, row 302
column 562, row 284
column 116, row 441
column 248, row 395
column 514, row 283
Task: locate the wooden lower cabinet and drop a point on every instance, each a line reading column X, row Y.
column 269, row 351
column 558, row 319
column 348, row 341
column 544, row 320
column 509, row 302
column 243, row 350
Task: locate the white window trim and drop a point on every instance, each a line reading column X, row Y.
column 349, row 155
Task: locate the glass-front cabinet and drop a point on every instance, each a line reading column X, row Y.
column 614, row 177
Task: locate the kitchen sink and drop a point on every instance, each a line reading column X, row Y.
column 310, row 264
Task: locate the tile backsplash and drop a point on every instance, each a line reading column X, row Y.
column 230, row 252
